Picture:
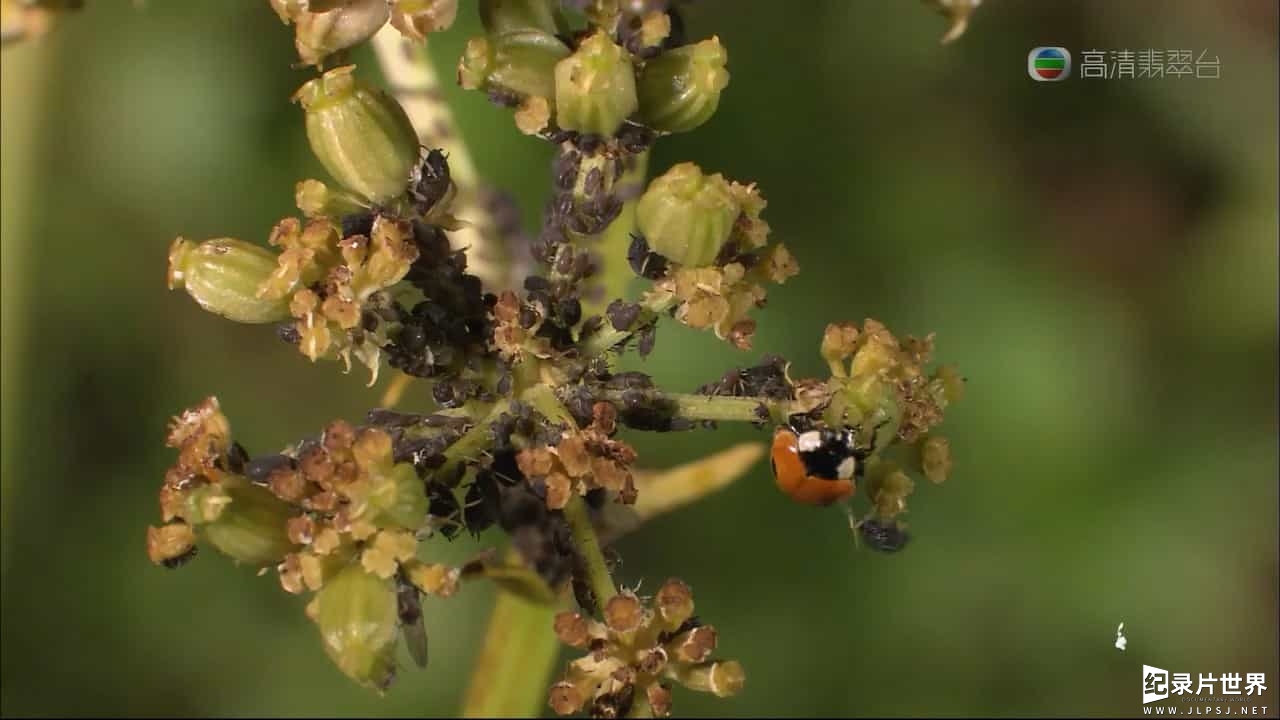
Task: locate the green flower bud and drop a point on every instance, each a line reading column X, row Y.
column 360, row 134
column 224, row 275
column 357, row 616
column 520, row 61
column 503, row 16
column 323, row 31
column 595, row 87
column 687, row 216
column 680, row 89
column 241, row 520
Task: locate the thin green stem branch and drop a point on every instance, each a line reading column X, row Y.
column 609, row 337
column 694, row 406
column 588, row 544
column 474, row 441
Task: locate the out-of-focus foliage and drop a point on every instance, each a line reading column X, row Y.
column 1099, row 256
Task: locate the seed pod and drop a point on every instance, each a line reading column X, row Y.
column 503, row 16
column 322, row 33
column 360, row 134
column 520, row 61
column 224, row 275
column 595, row 87
column 358, row 617
column 415, row 19
column 243, row 521
column 680, row 89
column 687, row 216
column 315, row 199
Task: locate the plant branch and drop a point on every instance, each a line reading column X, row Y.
column 588, row 544
column 608, row 337
column 726, row 408
column 516, row 658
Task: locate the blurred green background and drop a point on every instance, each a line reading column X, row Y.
column 1100, row 257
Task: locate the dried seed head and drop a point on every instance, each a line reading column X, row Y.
column 694, row 646
column 170, row 544
column 674, row 602
column 623, row 613
column 565, row 699
column 659, row 696
column 438, row 580
column 573, row 629
column 635, row 650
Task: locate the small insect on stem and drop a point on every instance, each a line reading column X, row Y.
column 409, row 608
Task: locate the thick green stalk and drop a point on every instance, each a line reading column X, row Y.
column 516, row 659
column 25, row 81
column 616, row 274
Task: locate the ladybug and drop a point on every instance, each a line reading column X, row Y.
column 816, row 467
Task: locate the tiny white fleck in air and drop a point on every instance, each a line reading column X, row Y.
column 1121, row 640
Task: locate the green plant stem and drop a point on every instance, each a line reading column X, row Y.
column 609, row 337
column 473, row 441
column 616, row 274
column 575, row 511
column 588, row 544
column 516, row 659
column 693, row 406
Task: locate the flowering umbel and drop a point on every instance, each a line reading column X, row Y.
column 640, row 650
column 526, row 403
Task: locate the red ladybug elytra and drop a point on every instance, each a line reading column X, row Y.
column 815, row 467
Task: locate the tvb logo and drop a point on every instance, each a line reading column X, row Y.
column 1155, row 684
column 1049, row 64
